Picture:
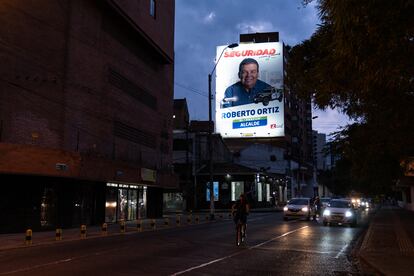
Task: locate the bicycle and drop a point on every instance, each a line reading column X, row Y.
column 240, row 233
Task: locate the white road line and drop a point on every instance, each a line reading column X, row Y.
column 58, row 262
column 298, row 250
column 278, row 237
column 237, row 253
column 36, row 266
column 342, row 251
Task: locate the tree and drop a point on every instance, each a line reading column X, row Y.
column 361, row 60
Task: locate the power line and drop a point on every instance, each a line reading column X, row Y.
column 202, row 93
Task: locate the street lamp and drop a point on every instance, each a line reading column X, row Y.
column 210, row 131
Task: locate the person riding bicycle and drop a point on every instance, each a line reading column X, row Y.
column 240, row 210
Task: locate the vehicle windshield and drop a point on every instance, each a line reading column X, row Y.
column 325, row 200
column 339, row 204
column 298, row 201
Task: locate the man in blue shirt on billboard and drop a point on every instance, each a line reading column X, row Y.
column 245, row 90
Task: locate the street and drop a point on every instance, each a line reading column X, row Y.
column 273, row 247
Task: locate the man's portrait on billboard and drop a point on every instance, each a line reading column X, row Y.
column 249, row 89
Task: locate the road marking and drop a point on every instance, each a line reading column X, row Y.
column 278, row 237
column 342, row 251
column 59, row 262
column 237, row 253
column 36, row 266
column 299, row 250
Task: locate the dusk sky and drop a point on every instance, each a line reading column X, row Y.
column 201, row 25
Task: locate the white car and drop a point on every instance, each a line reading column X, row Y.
column 325, row 201
column 340, row 211
column 299, row 208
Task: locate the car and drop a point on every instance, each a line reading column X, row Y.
column 325, row 201
column 365, row 204
column 267, row 95
column 300, row 207
column 340, row 211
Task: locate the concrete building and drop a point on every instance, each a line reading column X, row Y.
column 191, row 164
column 86, row 91
column 319, row 150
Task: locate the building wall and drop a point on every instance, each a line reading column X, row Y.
column 263, row 157
column 71, row 79
column 319, row 143
column 86, row 94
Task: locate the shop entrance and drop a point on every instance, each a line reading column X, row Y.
column 125, row 202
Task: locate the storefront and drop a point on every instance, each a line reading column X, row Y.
column 232, row 180
column 125, row 202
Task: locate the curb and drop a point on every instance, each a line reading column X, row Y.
column 98, row 234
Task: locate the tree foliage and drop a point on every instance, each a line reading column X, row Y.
column 361, row 60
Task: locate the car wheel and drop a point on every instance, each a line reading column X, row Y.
column 325, row 223
column 265, row 101
column 308, row 217
column 285, row 218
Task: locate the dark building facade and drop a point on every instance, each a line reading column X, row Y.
column 191, row 164
column 86, row 104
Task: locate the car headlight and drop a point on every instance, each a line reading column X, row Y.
column 305, row 209
column 285, row 208
column 326, row 213
column 348, row 214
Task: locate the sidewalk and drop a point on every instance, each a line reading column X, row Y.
column 172, row 220
column 388, row 245
column 168, row 221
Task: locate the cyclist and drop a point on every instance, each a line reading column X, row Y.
column 318, row 206
column 240, row 210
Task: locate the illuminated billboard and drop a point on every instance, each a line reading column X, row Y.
column 249, row 91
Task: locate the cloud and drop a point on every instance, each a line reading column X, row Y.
column 255, row 27
column 329, row 120
column 209, row 17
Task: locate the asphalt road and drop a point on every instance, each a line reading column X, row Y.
column 273, row 247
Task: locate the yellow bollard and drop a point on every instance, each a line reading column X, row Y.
column 83, row 231
column 189, row 218
column 58, row 235
column 166, row 222
column 122, row 226
column 28, row 239
column 178, row 220
column 104, row 229
column 139, row 225
column 153, row 224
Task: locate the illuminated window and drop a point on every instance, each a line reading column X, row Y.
column 152, row 8
column 237, row 188
column 215, row 191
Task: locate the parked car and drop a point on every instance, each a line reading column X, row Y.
column 340, row 211
column 268, row 95
column 299, row 208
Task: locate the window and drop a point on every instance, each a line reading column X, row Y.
column 215, row 191
column 152, row 8
column 237, row 188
